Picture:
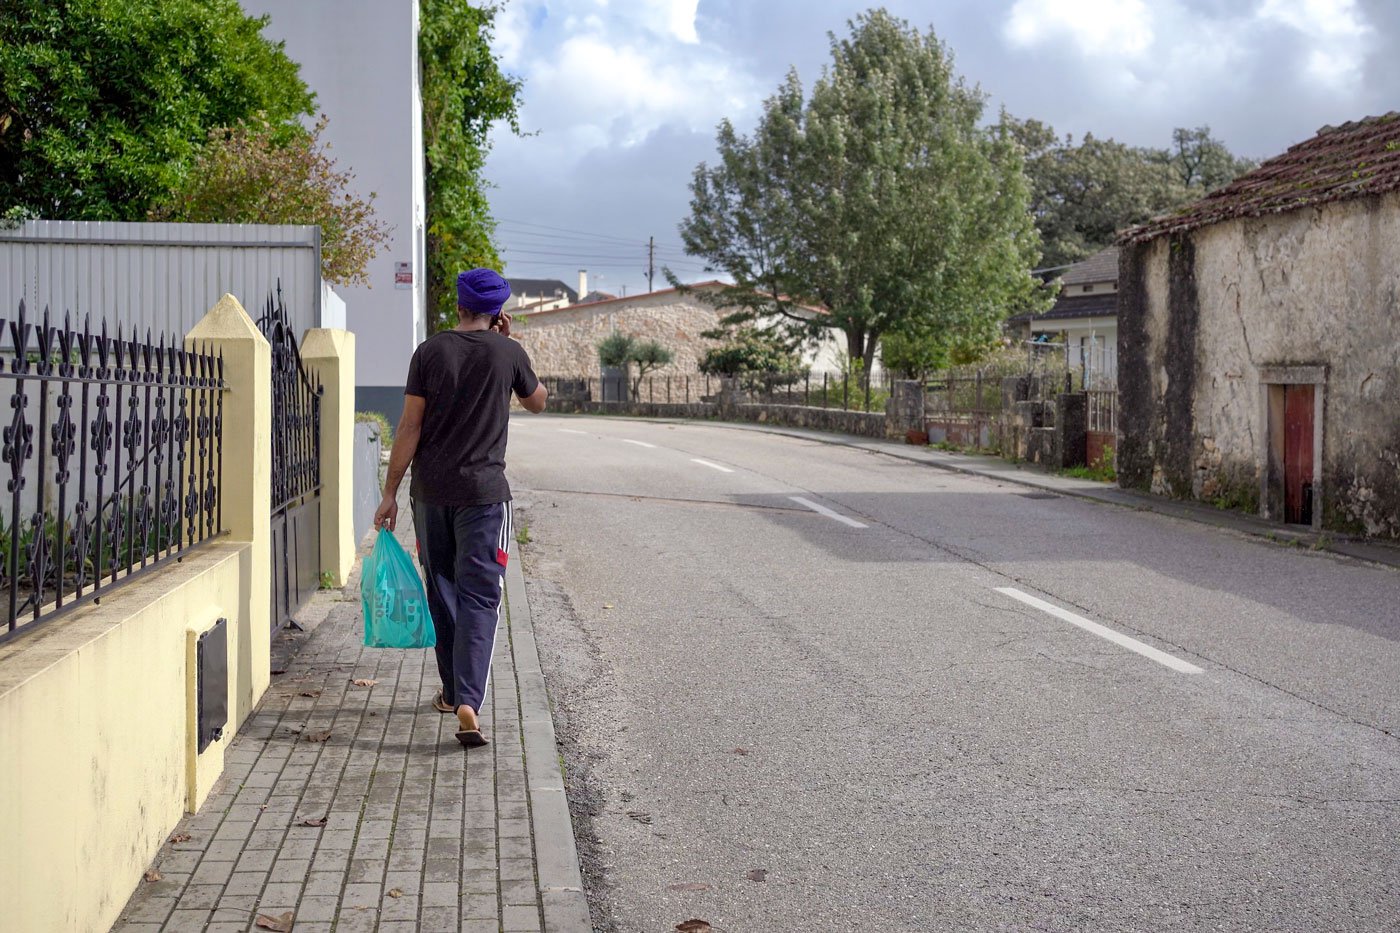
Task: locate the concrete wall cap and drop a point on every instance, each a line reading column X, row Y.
column 227, row 321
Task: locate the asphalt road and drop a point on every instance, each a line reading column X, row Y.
column 924, row 701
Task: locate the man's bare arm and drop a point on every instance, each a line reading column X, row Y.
column 400, row 458
column 535, row 401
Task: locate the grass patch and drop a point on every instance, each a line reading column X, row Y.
column 1102, row 470
column 522, row 534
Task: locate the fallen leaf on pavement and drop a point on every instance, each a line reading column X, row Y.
column 607, row 605
column 758, row 874
column 180, row 837
column 689, row 886
column 311, row 693
column 364, row 682
column 693, row 926
column 153, row 875
column 282, row 924
column 280, row 670
column 314, row 822
column 318, row 736
column 741, row 751
column 640, row 816
column 395, row 893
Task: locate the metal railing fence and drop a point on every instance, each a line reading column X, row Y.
column 1103, row 410
column 814, row 390
column 113, row 458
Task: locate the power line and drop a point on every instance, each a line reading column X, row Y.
column 577, row 234
column 588, row 233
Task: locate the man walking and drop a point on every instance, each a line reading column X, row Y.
column 453, row 431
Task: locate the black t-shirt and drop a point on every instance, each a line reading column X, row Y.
column 466, row 378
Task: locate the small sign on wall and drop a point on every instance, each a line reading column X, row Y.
column 403, row 275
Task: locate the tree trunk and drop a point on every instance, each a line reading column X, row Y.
column 855, row 344
column 872, row 340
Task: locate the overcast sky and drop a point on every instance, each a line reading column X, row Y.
column 622, row 96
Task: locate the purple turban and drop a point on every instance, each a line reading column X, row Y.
column 481, row 291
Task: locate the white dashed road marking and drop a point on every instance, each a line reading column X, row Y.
column 571, row 431
column 713, row 466
column 1103, row 631
column 823, row 510
column 639, row 443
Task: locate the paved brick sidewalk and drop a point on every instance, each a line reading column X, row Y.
column 419, row 835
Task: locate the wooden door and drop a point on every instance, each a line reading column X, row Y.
column 1297, row 454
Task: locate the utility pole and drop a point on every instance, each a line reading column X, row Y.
column 651, row 262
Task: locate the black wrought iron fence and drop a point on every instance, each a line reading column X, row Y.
column 817, row 390
column 113, row 458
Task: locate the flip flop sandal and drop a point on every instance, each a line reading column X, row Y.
column 471, row 738
column 441, row 705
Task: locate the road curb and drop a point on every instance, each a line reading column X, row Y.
column 1086, row 490
column 564, row 904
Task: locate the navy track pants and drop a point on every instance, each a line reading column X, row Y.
column 464, row 550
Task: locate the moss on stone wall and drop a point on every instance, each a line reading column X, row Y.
column 1178, row 442
column 1135, row 402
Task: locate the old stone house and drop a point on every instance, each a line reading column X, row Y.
column 1259, row 339
column 564, row 341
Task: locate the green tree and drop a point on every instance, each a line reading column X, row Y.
column 104, row 103
column 1202, row 162
column 245, row 174
column 649, row 357
column 750, row 350
column 1083, row 193
column 465, row 93
column 879, row 198
column 615, row 351
column 621, row 351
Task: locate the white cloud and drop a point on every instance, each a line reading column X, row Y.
column 1336, row 32
column 610, row 72
column 1152, row 51
column 1097, row 28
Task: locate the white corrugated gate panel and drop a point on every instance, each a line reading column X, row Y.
column 158, row 276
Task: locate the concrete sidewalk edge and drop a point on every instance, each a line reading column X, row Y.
column 560, row 880
column 1089, row 490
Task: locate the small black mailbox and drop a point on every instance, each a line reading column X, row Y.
column 211, row 682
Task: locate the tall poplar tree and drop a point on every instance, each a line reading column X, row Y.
column 879, row 198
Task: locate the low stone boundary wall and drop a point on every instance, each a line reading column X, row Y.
column 864, row 424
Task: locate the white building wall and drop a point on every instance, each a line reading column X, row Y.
column 361, row 59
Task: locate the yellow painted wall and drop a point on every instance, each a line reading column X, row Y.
column 94, row 739
column 331, row 355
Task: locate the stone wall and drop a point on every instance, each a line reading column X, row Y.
column 1203, row 315
column 564, row 342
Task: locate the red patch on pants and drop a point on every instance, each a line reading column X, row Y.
column 502, row 557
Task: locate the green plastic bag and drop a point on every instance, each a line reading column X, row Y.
column 396, row 609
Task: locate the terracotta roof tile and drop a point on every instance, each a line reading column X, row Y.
column 1341, row 162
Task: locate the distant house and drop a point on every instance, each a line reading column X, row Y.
column 595, row 296
column 529, row 295
column 1259, row 339
column 1083, row 323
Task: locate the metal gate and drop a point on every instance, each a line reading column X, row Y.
column 296, row 468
